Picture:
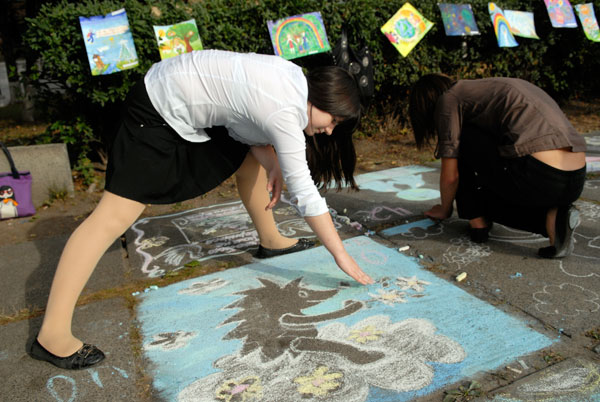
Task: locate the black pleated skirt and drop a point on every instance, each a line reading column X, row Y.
column 150, row 163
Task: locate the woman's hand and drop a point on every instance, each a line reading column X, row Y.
column 351, row 268
column 323, row 227
column 438, row 213
column 274, row 185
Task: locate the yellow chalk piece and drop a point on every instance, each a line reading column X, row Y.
column 461, row 277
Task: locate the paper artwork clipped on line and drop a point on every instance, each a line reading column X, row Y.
column 406, row 28
column 299, row 35
column 521, row 23
column 501, row 27
column 108, row 42
column 177, row 39
column 561, row 13
column 458, row 19
column 588, row 21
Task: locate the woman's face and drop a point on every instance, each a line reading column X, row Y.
column 319, row 121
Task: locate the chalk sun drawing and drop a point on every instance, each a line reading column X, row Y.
column 170, row 340
column 551, row 300
column 411, row 283
column 388, row 297
column 408, row 348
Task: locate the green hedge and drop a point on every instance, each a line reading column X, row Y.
column 563, row 61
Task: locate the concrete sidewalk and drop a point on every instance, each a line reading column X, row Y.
column 295, row 328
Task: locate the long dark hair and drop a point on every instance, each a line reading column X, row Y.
column 421, row 108
column 333, row 157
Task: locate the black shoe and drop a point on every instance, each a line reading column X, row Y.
column 567, row 219
column 302, row 244
column 480, row 235
column 85, row 357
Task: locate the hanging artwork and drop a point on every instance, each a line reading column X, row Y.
column 458, row 19
column 501, row 27
column 299, row 35
column 521, row 23
column 406, row 28
column 588, row 21
column 561, row 13
column 176, row 39
column 108, row 43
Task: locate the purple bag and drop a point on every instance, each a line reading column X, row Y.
column 15, row 191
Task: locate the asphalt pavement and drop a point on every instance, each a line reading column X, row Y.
column 185, row 312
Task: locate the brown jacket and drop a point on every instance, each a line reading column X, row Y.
column 521, row 118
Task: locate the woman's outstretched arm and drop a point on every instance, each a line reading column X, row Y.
column 323, row 227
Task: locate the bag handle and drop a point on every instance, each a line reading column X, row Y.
column 13, row 168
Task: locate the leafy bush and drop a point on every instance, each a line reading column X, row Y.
column 563, row 61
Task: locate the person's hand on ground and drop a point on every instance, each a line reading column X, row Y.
column 438, row 213
column 351, row 268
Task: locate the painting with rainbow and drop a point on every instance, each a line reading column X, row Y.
column 299, row 35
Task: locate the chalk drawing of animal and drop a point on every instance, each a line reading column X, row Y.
column 271, row 320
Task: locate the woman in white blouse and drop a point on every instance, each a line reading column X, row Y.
column 197, row 119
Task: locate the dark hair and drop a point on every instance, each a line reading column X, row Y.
column 421, row 108
column 333, row 157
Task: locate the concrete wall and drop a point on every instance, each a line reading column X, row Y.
column 49, row 167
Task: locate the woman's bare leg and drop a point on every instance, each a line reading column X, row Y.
column 252, row 186
column 551, row 224
column 109, row 220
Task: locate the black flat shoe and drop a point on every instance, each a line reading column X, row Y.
column 567, row 219
column 480, row 235
column 85, row 357
column 302, row 244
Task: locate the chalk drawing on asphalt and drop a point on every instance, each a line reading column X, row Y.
column 381, row 213
column 592, row 184
column 204, row 287
column 170, row 340
column 405, row 182
column 306, row 374
column 417, row 230
column 322, row 341
column 588, row 211
column 168, row 242
column 463, row 252
column 577, row 379
column 64, row 388
column 593, row 140
column 551, row 300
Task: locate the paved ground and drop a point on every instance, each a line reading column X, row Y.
column 517, row 328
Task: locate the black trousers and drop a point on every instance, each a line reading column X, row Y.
column 515, row 192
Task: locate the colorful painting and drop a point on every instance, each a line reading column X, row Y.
column 108, row 42
column 458, row 19
column 177, row 39
column 296, row 328
column 521, row 23
column 501, row 27
column 406, row 28
column 299, row 35
column 588, row 21
column 561, row 13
